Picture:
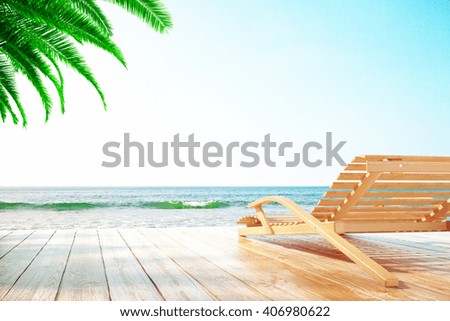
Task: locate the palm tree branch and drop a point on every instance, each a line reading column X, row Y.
column 33, row 34
column 56, row 45
column 152, row 12
column 67, row 19
column 7, row 80
column 23, row 64
column 5, row 105
column 95, row 13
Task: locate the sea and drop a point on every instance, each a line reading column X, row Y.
column 132, row 207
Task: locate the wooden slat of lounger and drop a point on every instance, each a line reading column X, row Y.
column 404, row 166
column 330, row 202
column 400, row 201
column 364, row 158
column 415, row 177
column 391, row 208
column 286, row 284
column 412, row 216
column 390, row 201
column 323, row 209
column 173, row 283
column 332, row 194
column 221, row 284
column 384, row 201
column 396, row 177
column 344, row 185
column 435, row 194
column 394, row 185
column 351, row 176
column 127, row 279
column 356, row 167
column 42, row 278
column 84, row 278
column 277, row 219
column 13, row 264
column 290, row 218
column 10, row 241
column 369, row 209
column 411, row 185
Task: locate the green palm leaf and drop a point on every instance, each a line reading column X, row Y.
column 33, row 58
column 57, row 14
column 21, row 62
column 152, row 12
column 36, row 36
column 57, row 46
column 6, row 106
column 8, row 83
column 92, row 10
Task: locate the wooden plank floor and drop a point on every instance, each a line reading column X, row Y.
column 214, row 264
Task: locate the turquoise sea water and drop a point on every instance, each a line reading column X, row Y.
column 98, row 207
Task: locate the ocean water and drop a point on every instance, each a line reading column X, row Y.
column 103, row 207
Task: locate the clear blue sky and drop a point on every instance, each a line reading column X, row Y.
column 375, row 73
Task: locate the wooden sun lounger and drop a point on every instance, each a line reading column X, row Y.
column 374, row 193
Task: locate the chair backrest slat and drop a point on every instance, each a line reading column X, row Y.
column 407, row 166
column 389, row 187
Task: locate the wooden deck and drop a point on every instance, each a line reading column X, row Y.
column 214, row 264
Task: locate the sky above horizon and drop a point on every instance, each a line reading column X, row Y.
column 374, row 73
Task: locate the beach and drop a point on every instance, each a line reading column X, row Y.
column 181, row 243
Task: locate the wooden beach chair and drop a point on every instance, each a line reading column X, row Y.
column 374, row 193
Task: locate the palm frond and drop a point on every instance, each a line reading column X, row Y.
column 35, row 58
column 21, row 63
column 152, row 12
column 63, row 16
column 6, row 106
column 7, row 80
column 56, row 45
column 3, row 104
column 95, row 14
column 36, row 36
column 61, row 84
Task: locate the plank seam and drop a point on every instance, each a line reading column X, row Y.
column 232, row 275
column 5, row 235
column 142, row 267
column 1, row 257
column 26, row 268
column 104, row 266
column 356, row 286
column 65, row 266
column 184, row 270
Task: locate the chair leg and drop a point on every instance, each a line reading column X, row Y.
column 356, row 255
